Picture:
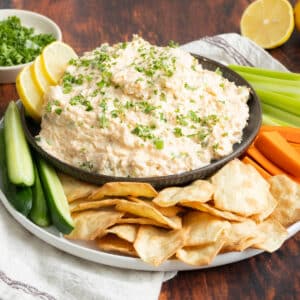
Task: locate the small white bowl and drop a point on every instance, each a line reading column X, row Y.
column 40, row 23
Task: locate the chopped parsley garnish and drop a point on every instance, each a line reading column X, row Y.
column 87, row 165
column 70, row 80
column 56, row 104
column 79, row 99
column 19, row 44
column 215, row 146
column 178, row 132
column 103, row 121
column 146, row 107
column 58, row 111
column 173, row 44
column 218, row 71
column 181, row 120
column 188, row 87
column 193, row 116
column 159, row 144
column 200, row 135
column 163, row 96
column 143, row 132
column 48, row 107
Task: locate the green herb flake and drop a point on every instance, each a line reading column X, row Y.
column 173, row 44
column 178, row 132
column 143, row 132
column 188, row 87
column 103, row 121
column 215, row 146
column 159, row 144
column 58, row 111
column 218, row 71
column 163, row 96
column 48, row 107
column 87, row 165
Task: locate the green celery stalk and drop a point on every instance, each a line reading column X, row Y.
column 266, row 72
column 283, row 116
column 268, row 120
column 287, row 87
column 283, row 102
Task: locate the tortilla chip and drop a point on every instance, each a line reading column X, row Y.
column 164, row 197
column 123, row 189
column 287, row 193
column 251, row 190
column 75, row 189
column 272, row 233
column 199, row 190
column 169, row 211
column 272, row 204
column 148, row 211
column 155, row 245
column 203, row 228
column 241, row 236
column 201, row 255
column 206, row 207
column 92, row 224
column 126, row 232
column 141, row 221
column 93, row 205
column 112, row 243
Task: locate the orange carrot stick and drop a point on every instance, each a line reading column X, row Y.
column 262, row 172
column 295, row 146
column 275, row 147
column 263, row 161
column 291, row 134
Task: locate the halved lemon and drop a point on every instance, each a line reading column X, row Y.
column 55, row 58
column 39, row 75
column 29, row 93
column 269, row 23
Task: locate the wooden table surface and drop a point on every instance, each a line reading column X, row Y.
column 87, row 24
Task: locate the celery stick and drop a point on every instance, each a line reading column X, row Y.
column 266, row 72
column 286, row 87
column 286, row 117
column 268, row 120
column 283, row 102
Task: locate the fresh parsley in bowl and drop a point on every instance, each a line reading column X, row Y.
column 23, row 35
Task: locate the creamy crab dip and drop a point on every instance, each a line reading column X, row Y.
column 138, row 110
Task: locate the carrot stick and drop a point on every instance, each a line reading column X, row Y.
column 262, row 172
column 263, row 161
column 291, row 134
column 295, row 146
column 274, row 147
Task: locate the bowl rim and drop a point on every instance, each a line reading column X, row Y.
column 29, row 13
column 161, row 181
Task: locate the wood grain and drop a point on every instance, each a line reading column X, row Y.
column 87, row 24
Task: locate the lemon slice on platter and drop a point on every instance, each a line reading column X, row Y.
column 30, row 94
column 297, row 15
column 54, row 59
column 269, row 23
column 39, row 75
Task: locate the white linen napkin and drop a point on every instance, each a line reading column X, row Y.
column 31, row 269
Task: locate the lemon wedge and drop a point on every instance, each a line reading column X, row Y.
column 39, row 75
column 54, row 59
column 29, row 93
column 297, row 15
column 269, row 23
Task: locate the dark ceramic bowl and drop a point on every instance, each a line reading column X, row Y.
column 249, row 133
